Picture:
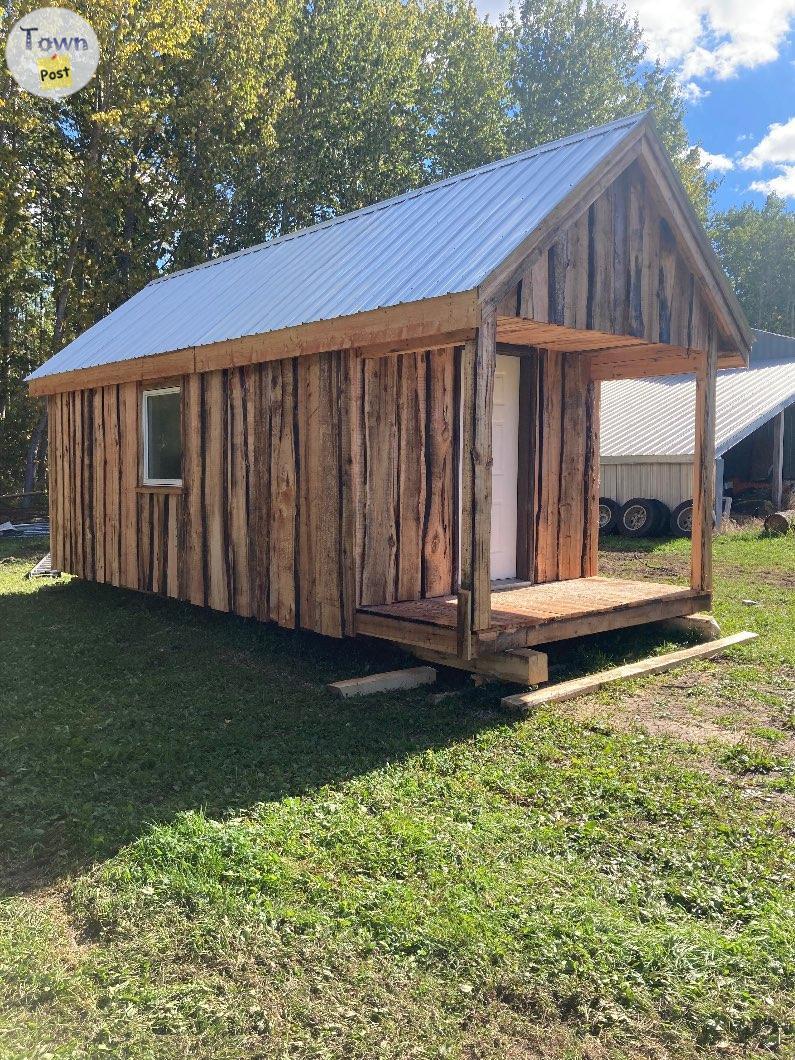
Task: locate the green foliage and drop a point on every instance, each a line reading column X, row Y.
column 757, row 249
column 209, row 127
column 575, row 63
column 205, row 854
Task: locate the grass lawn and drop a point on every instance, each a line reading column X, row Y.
column 204, row 854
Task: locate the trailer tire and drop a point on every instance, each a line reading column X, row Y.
column 682, row 519
column 663, row 525
column 638, row 517
column 609, row 512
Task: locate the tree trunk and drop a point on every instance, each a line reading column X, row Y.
column 31, row 459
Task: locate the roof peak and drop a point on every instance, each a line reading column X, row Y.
column 597, row 130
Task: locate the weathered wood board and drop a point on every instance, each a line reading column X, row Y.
column 619, row 269
column 307, row 482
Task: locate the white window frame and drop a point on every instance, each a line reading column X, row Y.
column 160, row 392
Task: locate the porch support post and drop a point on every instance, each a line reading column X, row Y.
column 478, row 361
column 778, row 461
column 704, row 467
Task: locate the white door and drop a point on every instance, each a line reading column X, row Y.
column 505, row 472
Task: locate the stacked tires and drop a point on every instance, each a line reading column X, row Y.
column 645, row 517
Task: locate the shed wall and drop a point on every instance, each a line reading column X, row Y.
column 309, row 484
column 670, row 483
column 567, row 469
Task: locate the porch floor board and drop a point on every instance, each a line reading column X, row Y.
column 532, row 614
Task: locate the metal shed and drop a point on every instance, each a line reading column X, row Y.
column 647, row 429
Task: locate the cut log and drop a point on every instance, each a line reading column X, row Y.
column 522, row 666
column 391, row 681
column 581, row 686
column 780, row 522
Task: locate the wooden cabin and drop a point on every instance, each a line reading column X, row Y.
column 388, row 424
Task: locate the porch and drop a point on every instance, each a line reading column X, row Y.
column 524, row 615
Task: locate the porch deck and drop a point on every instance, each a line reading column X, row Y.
column 525, row 615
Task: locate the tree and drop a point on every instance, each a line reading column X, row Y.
column 757, row 249
column 388, row 95
column 578, row 63
column 211, row 126
column 132, row 172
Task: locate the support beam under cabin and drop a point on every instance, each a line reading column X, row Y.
column 478, row 362
column 704, row 467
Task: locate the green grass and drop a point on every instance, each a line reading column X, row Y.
column 206, row 855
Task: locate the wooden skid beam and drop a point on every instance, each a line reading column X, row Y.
column 581, row 686
column 391, row 681
column 401, row 631
column 494, row 641
column 522, row 666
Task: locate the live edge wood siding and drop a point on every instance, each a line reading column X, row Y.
column 618, row 269
column 310, row 485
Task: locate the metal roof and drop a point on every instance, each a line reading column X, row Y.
column 656, row 417
column 441, row 239
column 768, row 346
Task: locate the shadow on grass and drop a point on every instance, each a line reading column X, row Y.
column 120, row 710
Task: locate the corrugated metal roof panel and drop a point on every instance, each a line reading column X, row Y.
column 656, row 417
column 441, row 239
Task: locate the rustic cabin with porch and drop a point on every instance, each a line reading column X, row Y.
column 388, row 424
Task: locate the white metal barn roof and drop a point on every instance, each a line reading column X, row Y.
column 655, row 417
column 442, row 239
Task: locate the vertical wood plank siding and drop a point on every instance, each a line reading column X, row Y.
column 565, row 518
column 616, row 269
column 407, row 476
column 278, row 459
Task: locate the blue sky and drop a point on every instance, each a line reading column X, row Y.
column 736, row 62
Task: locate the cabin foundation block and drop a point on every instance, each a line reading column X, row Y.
column 704, row 625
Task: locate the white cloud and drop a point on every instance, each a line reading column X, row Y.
column 703, row 38
column 775, row 150
column 716, row 163
column 717, row 38
column 777, row 147
column 693, row 92
column 782, row 185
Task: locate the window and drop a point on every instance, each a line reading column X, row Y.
column 162, row 437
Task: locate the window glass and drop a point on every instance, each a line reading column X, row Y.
column 163, row 438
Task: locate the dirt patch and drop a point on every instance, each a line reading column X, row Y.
column 710, row 708
column 779, row 579
column 669, row 566
column 705, row 706
column 644, row 565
